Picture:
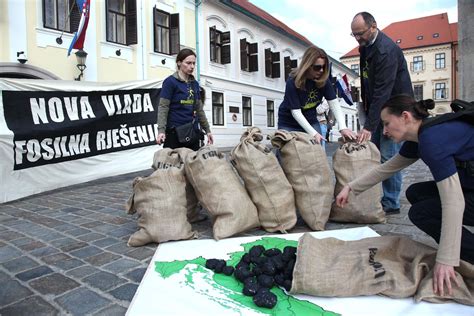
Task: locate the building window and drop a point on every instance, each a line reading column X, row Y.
column 248, row 55
column 121, row 21
column 355, row 68
column 440, row 91
column 61, row 15
column 435, row 35
column 440, row 61
column 270, row 113
column 272, row 64
column 419, row 37
column 418, row 92
column 346, row 119
column 166, row 31
column 246, row 111
column 417, row 64
column 353, row 122
column 399, row 41
column 219, row 46
column 217, row 108
column 358, row 125
column 290, row 64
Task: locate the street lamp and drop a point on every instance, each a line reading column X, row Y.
column 81, row 56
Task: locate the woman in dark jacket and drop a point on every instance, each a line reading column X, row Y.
column 180, row 102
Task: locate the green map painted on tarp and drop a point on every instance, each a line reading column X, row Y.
column 232, row 288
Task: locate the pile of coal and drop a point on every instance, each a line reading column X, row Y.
column 260, row 270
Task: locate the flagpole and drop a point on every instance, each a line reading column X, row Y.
column 59, row 39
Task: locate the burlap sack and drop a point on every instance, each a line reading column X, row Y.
column 393, row 266
column 306, row 167
column 160, row 201
column 168, row 156
column 219, row 190
column 265, row 182
column 350, row 161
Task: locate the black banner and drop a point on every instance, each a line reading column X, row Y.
column 56, row 126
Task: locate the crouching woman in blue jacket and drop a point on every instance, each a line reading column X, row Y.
column 441, row 207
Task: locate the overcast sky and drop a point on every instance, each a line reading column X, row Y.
column 326, row 23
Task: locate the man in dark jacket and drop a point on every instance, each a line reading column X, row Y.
column 384, row 74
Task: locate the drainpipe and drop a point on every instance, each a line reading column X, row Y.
column 197, row 4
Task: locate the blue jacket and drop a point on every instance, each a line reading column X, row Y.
column 384, row 74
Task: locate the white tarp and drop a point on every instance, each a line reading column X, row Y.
column 191, row 291
column 58, row 133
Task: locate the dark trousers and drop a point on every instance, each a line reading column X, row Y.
column 172, row 142
column 425, row 213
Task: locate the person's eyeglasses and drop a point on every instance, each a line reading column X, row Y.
column 359, row 34
column 318, row 67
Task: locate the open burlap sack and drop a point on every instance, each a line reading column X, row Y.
column 306, row 167
column 265, row 182
column 171, row 157
column 350, row 161
column 392, row 266
column 220, row 191
column 160, row 201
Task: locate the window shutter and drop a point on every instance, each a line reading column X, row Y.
column 268, row 62
column 253, row 50
column 276, row 65
column 131, row 22
column 155, row 36
column 225, row 52
column 75, row 17
column 174, row 33
column 212, row 43
column 243, row 54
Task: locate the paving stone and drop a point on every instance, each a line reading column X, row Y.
column 91, row 224
column 12, row 291
column 91, row 237
column 10, row 235
column 86, row 252
column 53, row 284
column 136, row 275
column 53, row 235
column 124, row 292
column 73, row 246
column 119, row 248
column 82, row 301
column 141, row 253
column 106, row 242
column 32, row 245
column 78, row 232
column 20, row 264
column 105, row 228
column 34, row 305
column 8, row 253
column 65, row 228
column 121, row 231
column 63, row 242
column 104, row 280
column 69, row 210
column 121, row 266
column 101, row 259
column 112, row 310
column 82, row 272
column 45, row 251
column 34, row 273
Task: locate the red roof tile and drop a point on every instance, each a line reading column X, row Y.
column 254, row 10
column 420, row 32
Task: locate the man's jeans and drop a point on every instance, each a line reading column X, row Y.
column 393, row 185
column 324, row 130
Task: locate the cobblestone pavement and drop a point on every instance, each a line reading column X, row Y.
column 65, row 251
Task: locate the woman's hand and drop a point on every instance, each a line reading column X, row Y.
column 318, row 138
column 160, row 139
column 210, row 139
column 343, row 196
column 364, row 135
column 348, row 134
column 442, row 274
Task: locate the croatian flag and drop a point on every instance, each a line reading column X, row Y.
column 343, row 89
column 78, row 40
